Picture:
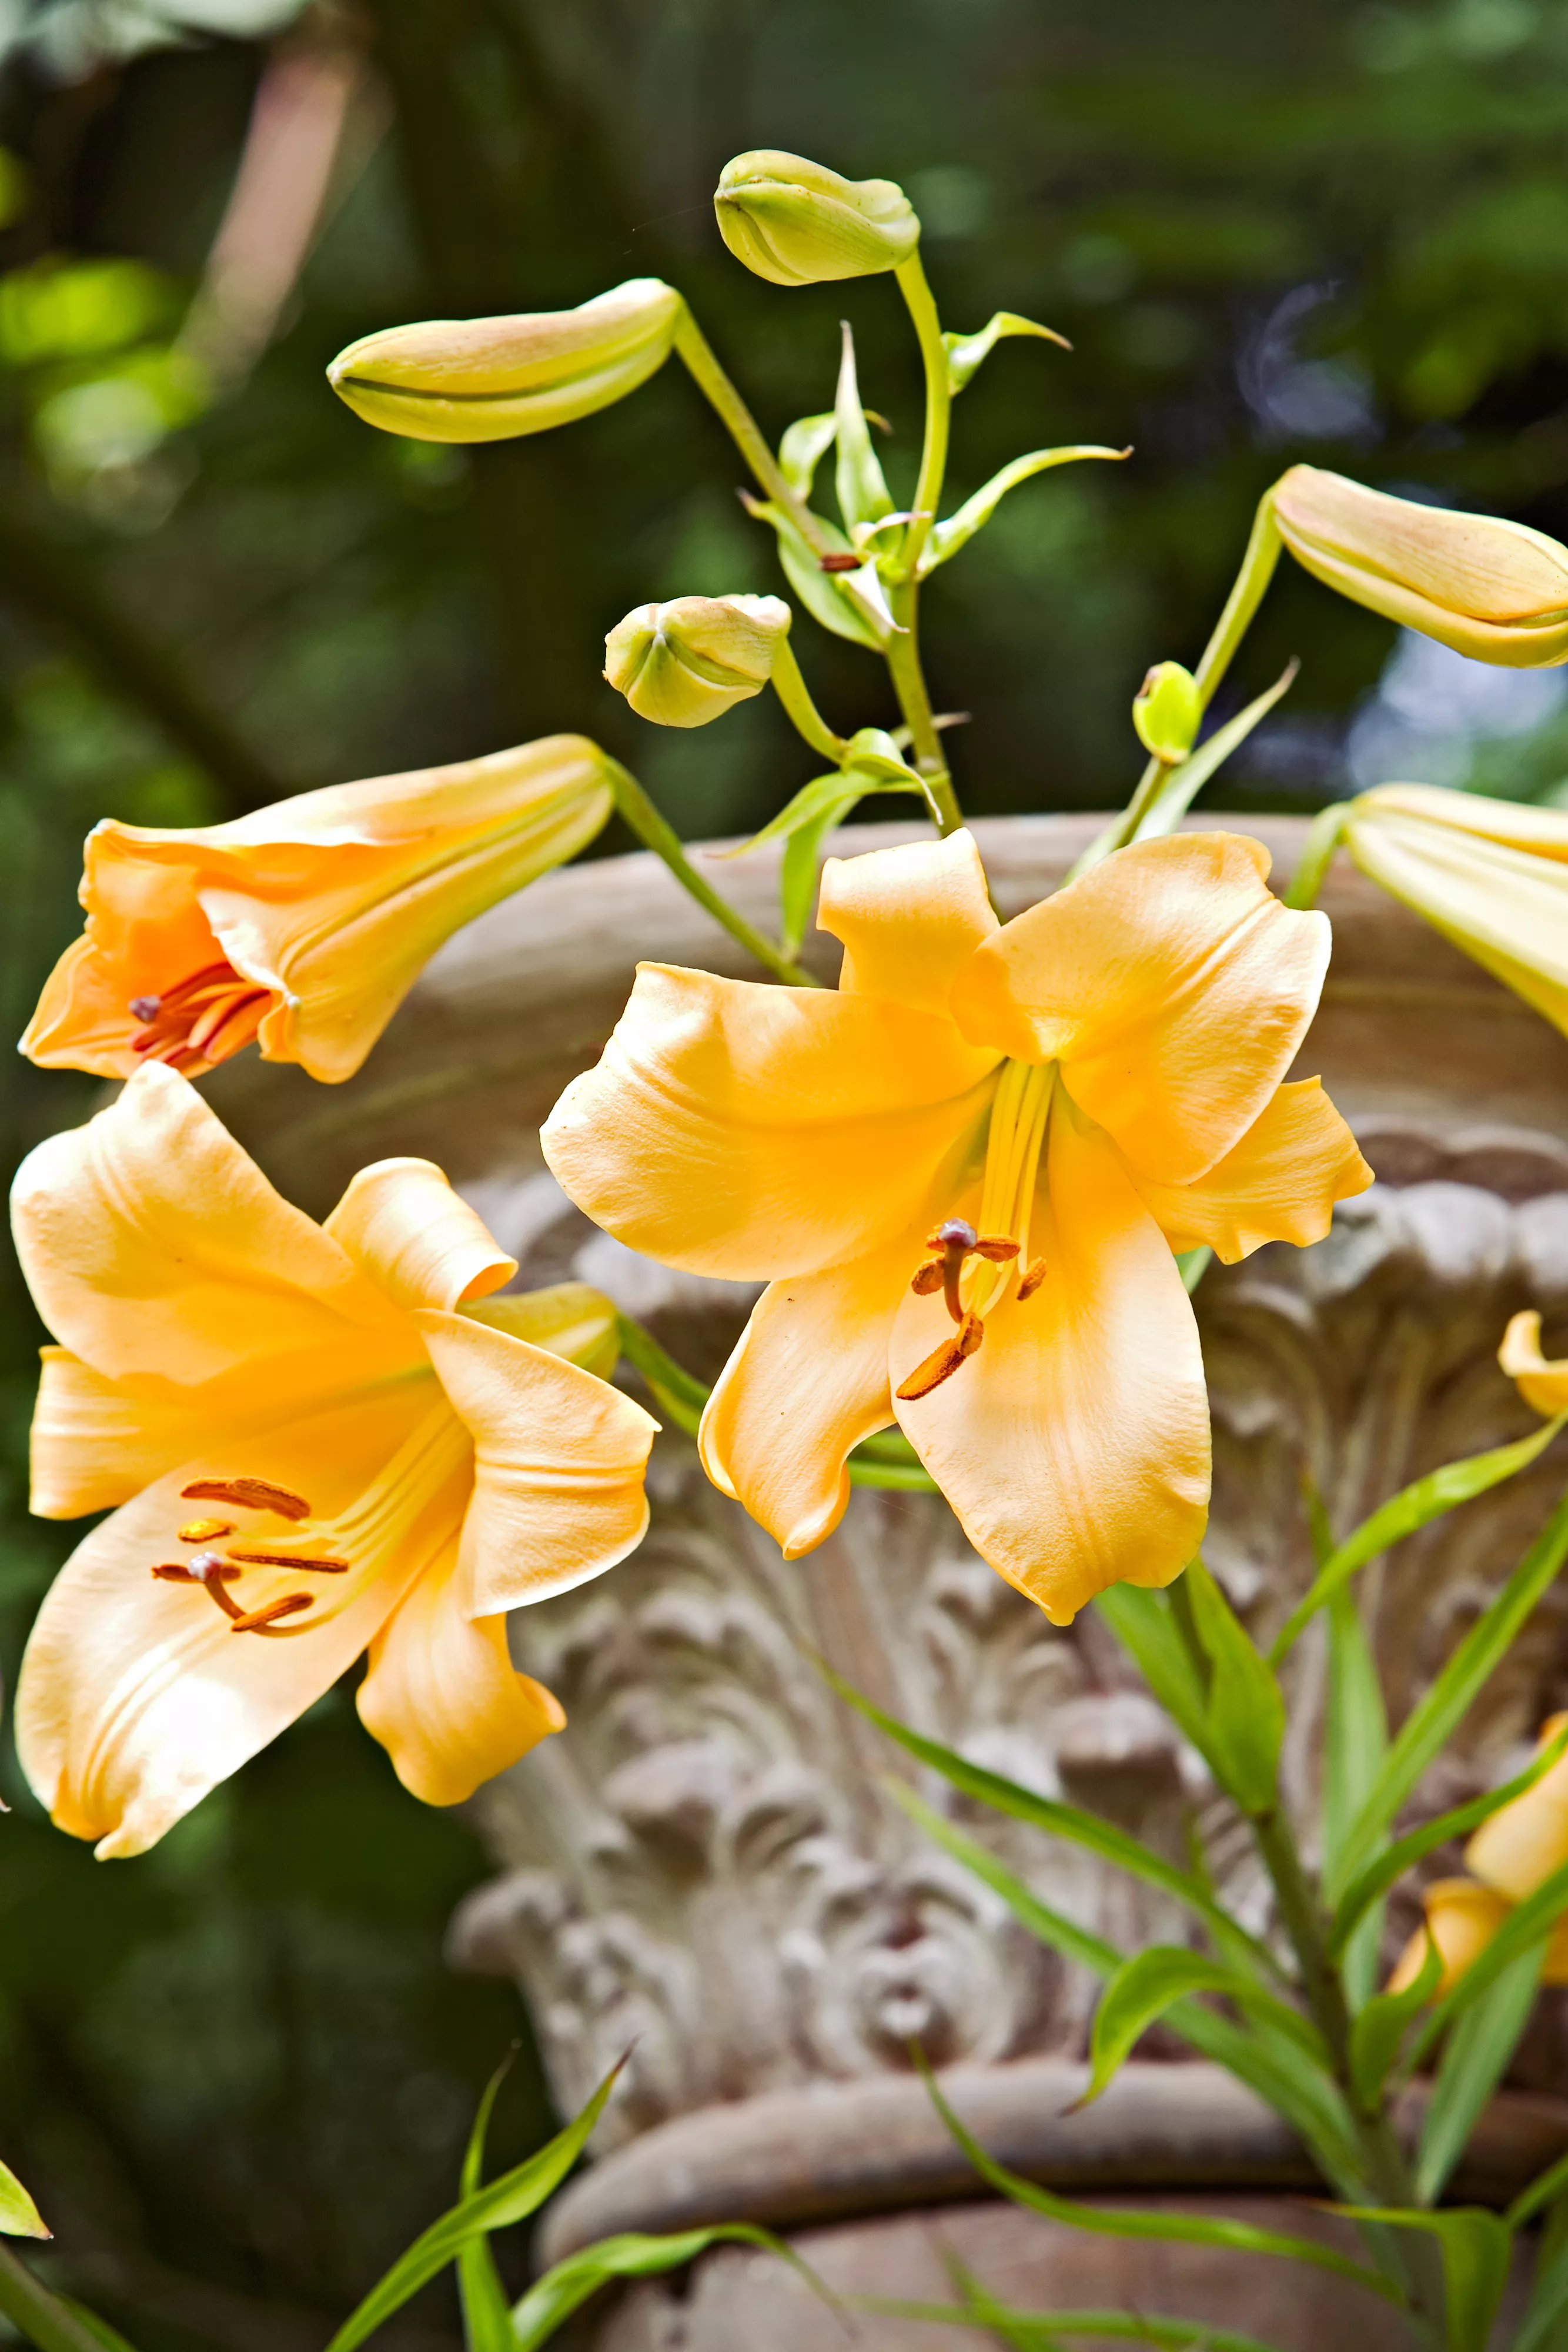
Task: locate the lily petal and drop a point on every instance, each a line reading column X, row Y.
column 1172, row 986
column 153, row 1245
column 135, row 1697
column 910, row 918
column 1074, row 1445
column 759, row 1132
column 1506, row 905
column 806, row 1381
column 1542, row 1385
column 1280, row 1184
column 558, row 1466
column 443, row 1696
column 416, row 1238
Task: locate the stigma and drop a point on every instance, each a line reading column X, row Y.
column 203, row 1019
column 215, row 1571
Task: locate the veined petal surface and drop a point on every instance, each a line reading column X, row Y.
column 1074, row 1445
column 1280, row 1184
column 759, row 1132
column 1172, row 986
column 417, row 1239
column 910, row 918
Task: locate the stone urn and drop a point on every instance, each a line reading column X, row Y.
column 707, row 1867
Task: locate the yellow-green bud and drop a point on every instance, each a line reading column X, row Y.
column 1494, row 590
column 796, row 222
column 494, row 379
column 684, row 663
column 1168, row 711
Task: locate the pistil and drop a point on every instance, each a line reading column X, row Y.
column 204, row 1018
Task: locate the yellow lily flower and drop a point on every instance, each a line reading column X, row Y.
column 307, row 923
column 1461, row 1918
column 1518, row 1849
column 1491, row 875
column 319, row 1442
column 1543, row 1385
column 986, row 1135
column 1494, row 590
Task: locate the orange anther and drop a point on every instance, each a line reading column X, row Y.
column 202, row 1531
column 259, row 1621
column 1032, row 1279
column 249, row 1493
column 324, row 1562
column 943, row 1361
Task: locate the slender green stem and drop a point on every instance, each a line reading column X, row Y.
column 922, row 310
column 1323, row 840
column 654, row 834
column 804, row 716
column 902, row 657
column 702, row 364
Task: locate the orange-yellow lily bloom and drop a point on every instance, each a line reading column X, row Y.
column 318, row 1442
column 962, row 1175
column 1491, row 875
column 306, row 924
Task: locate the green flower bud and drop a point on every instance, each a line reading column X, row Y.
column 494, row 379
column 796, row 222
column 684, row 663
column 1168, row 711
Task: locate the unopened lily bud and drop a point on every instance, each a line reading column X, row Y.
column 796, row 222
column 1462, row 1918
column 1168, row 711
column 494, row 379
column 1496, row 591
column 687, row 662
column 1518, row 1849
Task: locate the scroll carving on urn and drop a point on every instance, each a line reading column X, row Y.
column 707, row 1867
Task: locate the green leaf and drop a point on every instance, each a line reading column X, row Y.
column 1152, row 1982
column 1244, row 1715
column 51, row 2322
column 510, row 2198
column 798, row 870
column 1188, row 779
column 966, row 352
column 19, row 2216
column 818, row 591
column 895, row 1477
column 1355, row 1740
column 1551, row 2183
column 947, row 538
column 1048, row 1813
column 568, row 2284
column 1189, row 2229
column 1540, row 2329
column 486, row 2321
column 805, row 444
column 1474, row 2063
column 1428, row 1725
column 862, row 494
column 1043, row 2331
column 1476, row 2249
column 1053, row 1929
column 1378, row 2032
column 1379, row 1875
column 679, row 1397
column 1414, row 1506
column 1143, row 1623
column 1193, row 1265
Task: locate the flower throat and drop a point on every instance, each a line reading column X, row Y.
column 973, row 1265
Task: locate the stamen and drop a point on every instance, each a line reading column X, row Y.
column 249, row 1493
column 257, row 1621
column 1032, row 1279
column 328, row 1567
column 174, row 1572
column 943, row 1361
column 200, row 1531
column 204, row 1017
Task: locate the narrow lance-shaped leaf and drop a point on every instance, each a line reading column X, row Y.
column 1188, row 2229
column 1414, row 1506
column 1379, row 1875
column 1188, row 779
column 1378, row 2032
column 19, row 2216
column 862, row 494
column 1050, row 1814
column 51, row 2322
column 1476, row 2249
column 1043, row 2332
column 967, row 353
column 1355, row 1743
column 568, row 2284
column 1152, row 1982
column 805, row 444
column 487, row 2320
column 1245, row 1713
column 1540, row 2328
column 948, row 537
column 1474, row 2061
column 819, row 591
column 1429, row 1724
column 509, row 2199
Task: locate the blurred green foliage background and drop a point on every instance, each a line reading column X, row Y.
column 236, row 2072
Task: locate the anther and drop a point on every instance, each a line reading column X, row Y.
column 249, row 1493
column 943, row 1361
column 327, row 1566
column 839, row 562
column 259, row 1621
column 955, row 1240
column 175, row 1571
column 1032, row 1278
column 203, row 1531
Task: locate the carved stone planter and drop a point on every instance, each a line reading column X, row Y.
column 706, row 1865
